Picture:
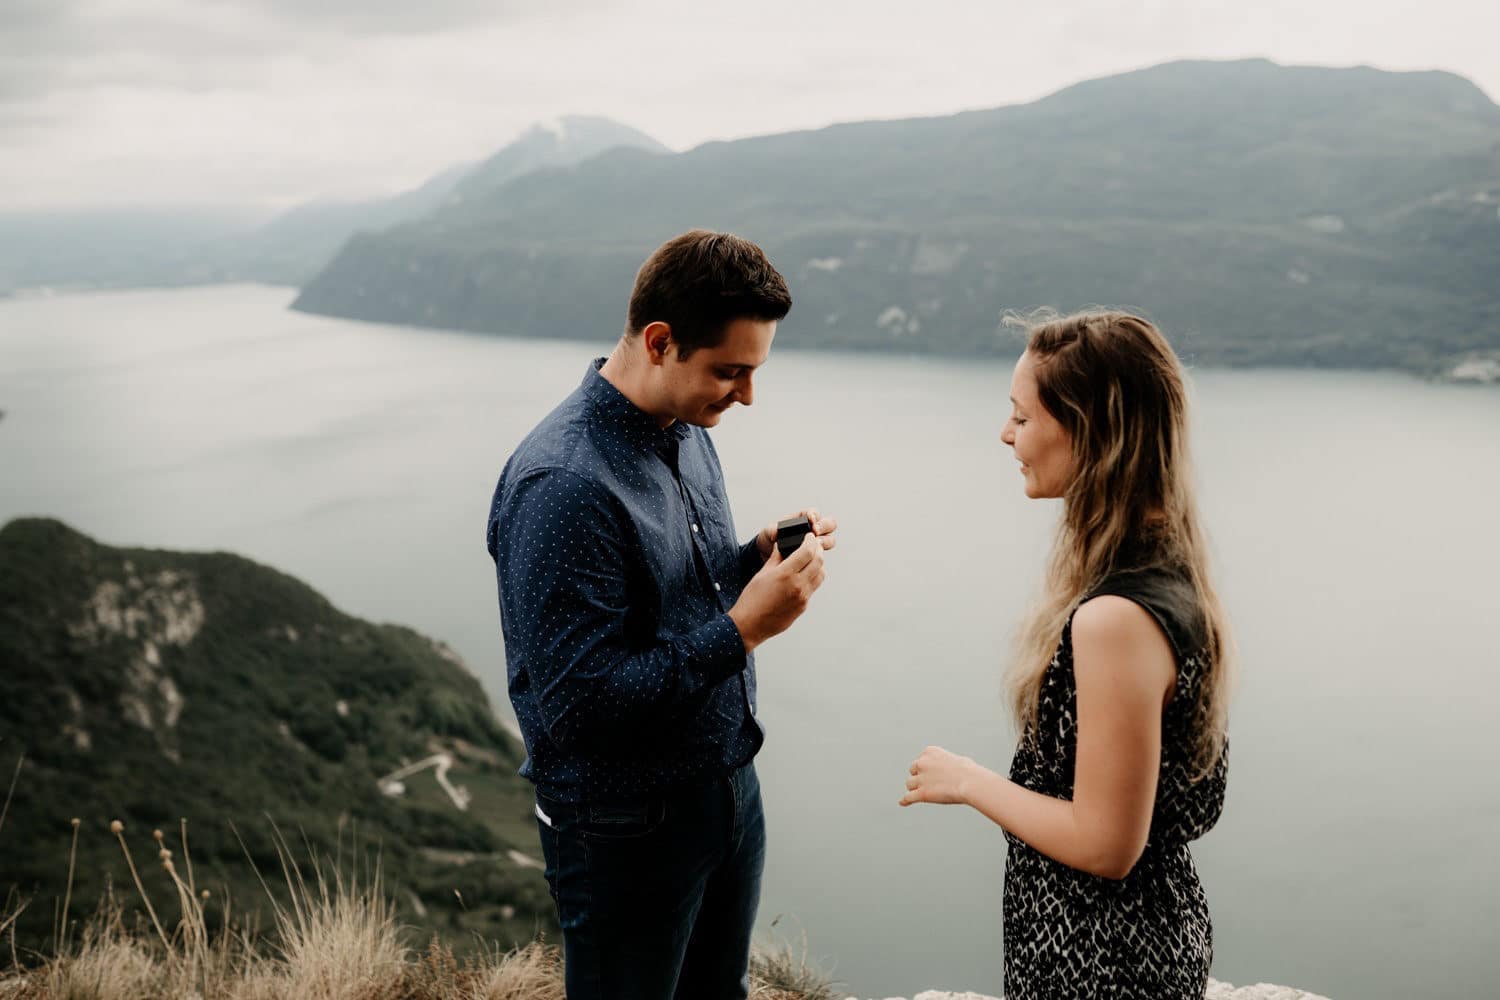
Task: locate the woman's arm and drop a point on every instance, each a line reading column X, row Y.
column 1124, row 672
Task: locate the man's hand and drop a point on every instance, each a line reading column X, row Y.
column 823, row 528
column 777, row 595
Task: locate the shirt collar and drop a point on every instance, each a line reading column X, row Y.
column 618, row 412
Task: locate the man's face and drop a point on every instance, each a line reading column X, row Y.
column 699, row 389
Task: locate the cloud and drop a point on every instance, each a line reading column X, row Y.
column 392, row 17
column 52, row 47
column 32, row 34
column 48, row 46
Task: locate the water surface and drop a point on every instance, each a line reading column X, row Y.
column 1353, row 517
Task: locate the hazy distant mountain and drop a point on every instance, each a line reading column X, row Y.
column 147, row 686
column 115, row 249
column 124, row 249
column 1264, row 214
column 295, row 246
column 561, row 142
column 299, row 242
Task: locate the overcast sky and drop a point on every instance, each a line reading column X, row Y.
column 153, row 103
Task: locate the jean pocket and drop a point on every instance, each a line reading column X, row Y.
column 623, row 821
column 567, row 873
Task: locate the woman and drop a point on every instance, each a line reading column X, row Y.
column 1120, row 685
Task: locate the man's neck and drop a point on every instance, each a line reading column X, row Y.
column 627, row 376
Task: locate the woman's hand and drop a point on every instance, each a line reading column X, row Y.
column 940, row 777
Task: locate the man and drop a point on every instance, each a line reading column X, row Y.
column 631, row 613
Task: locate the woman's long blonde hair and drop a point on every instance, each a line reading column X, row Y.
column 1117, row 388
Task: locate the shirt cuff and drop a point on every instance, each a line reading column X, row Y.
column 718, row 648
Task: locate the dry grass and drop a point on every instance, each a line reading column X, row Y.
column 532, row 973
column 336, row 938
column 113, row 963
column 778, row 972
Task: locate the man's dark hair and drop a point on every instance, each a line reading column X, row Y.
column 700, row 282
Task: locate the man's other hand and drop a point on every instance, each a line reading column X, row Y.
column 777, row 595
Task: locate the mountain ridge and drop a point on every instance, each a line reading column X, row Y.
column 1309, row 217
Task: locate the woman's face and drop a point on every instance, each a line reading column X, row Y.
column 1042, row 446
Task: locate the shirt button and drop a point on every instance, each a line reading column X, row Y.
column 695, row 529
column 717, row 587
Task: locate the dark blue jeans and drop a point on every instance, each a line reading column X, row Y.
column 657, row 897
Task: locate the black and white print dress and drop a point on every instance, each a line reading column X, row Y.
column 1070, row 935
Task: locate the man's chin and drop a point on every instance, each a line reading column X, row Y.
column 711, row 415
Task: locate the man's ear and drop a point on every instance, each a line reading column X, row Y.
column 657, row 339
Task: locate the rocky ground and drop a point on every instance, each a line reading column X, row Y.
column 1216, row 991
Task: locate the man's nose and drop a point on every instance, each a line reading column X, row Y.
column 746, row 392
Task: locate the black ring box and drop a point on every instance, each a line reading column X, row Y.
column 789, row 534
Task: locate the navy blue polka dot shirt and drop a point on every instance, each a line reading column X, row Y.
column 616, row 559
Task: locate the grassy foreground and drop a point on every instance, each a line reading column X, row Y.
column 337, row 941
column 347, row 949
column 335, row 937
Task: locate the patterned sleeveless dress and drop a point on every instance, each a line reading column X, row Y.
column 1070, row 935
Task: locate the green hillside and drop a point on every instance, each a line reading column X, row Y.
column 150, row 686
column 1266, row 215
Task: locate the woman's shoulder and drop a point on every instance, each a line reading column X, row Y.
column 1166, row 591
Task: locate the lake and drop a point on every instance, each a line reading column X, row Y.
column 1353, row 517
